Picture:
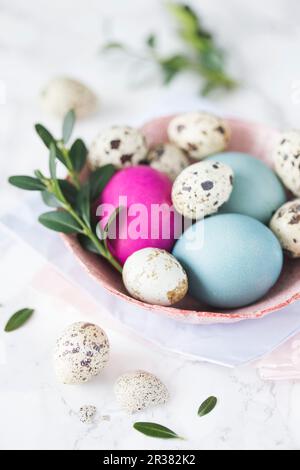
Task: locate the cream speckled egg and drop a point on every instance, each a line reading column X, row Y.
column 80, row 353
column 138, row 390
column 155, row 276
column 62, row 94
column 120, row 145
column 202, row 188
column 287, row 160
column 198, row 133
column 168, row 159
column 286, row 226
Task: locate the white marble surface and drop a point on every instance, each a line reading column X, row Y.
column 37, row 41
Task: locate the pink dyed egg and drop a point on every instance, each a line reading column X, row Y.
column 147, row 216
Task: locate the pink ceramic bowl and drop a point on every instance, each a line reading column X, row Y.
column 246, row 137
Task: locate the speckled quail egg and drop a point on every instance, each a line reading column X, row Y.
column 138, row 390
column 286, row 226
column 198, row 133
column 120, row 145
column 202, row 188
column 168, row 159
column 155, row 276
column 80, row 353
column 287, row 160
column 62, row 94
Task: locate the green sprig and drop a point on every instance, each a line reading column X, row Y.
column 72, row 198
column 200, row 53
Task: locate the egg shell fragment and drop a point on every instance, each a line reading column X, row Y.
column 155, row 276
column 87, row 413
column 121, row 146
column 81, row 352
column 199, row 133
column 202, row 188
column 285, row 224
column 62, row 94
column 138, row 390
column 287, row 160
column 169, row 159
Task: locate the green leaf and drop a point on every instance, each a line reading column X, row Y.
column 208, row 87
column 50, row 200
column 27, row 182
column 83, row 203
column 39, row 174
column 110, row 221
column 78, row 154
column 60, row 221
column 151, row 41
column 111, row 46
column 212, row 59
column 172, row 65
column 155, row 430
column 44, row 134
column 68, row 125
column 185, row 16
column 99, row 179
column 207, row 406
column 18, row 319
column 87, row 244
column 52, row 162
column 69, row 191
column 48, row 138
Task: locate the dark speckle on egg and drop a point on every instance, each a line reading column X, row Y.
column 115, row 144
column 207, row 185
column 126, row 158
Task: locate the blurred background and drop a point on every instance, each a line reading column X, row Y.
column 40, row 40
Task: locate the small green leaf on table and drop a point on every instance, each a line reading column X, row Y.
column 155, row 430
column 18, row 319
column 207, row 406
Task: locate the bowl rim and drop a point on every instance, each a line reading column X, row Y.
column 173, row 311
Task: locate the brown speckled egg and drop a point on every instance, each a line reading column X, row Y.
column 168, row 159
column 202, row 188
column 287, row 160
column 138, row 390
column 80, row 353
column 121, row 146
column 286, row 226
column 199, row 134
column 63, row 93
column 155, row 276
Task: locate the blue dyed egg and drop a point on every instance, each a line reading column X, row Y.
column 257, row 191
column 232, row 260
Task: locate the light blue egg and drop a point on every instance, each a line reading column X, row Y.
column 257, row 191
column 238, row 260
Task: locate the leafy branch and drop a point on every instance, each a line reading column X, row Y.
column 71, row 198
column 72, row 158
column 201, row 55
